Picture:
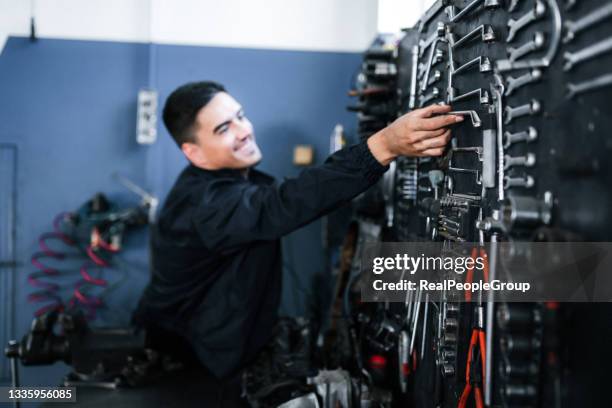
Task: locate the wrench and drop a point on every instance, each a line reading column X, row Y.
column 528, row 136
column 476, row 122
column 528, row 109
column 515, row 83
column 596, row 16
column 483, row 96
column 537, row 12
column 497, row 90
column 587, row 53
column 528, row 160
column 424, row 44
column 545, row 61
column 530, row 46
column 438, row 57
column 454, row 17
column 486, row 33
column 526, row 181
column 433, row 95
column 513, row 4
column 435, row 56
column 413, row 76
column 484, row 65
column 589, row 85
column 429, row 63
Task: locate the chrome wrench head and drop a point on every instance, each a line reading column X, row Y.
column 528, row 109
column 515, row 83
column 530, row 46
column 525, row 182
column 529, row 135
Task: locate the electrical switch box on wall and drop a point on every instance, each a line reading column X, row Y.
column 146, row 121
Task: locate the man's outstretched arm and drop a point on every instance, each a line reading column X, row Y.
column 420, row 133
column 232, row 214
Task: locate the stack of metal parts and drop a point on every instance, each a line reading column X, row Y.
column 375, row 88
column 529, row 163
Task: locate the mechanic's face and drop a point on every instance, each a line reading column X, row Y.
column 224, row 137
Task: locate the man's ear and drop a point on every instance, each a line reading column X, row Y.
column 194, row 154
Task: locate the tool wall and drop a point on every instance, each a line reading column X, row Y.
column 530, row 162
column 537, row 76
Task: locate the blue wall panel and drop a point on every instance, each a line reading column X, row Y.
column 69, row 106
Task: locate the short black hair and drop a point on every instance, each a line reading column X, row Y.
column 183, row 105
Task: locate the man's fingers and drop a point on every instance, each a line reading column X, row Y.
column 433, row 110
column 428, row 134
column 439, row 141
column 438, row 151
column 434, row 142
column 438, row 122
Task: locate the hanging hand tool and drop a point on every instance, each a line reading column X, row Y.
column 475, row 368
column 469, row 275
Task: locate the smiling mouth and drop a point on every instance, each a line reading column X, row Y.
column 246, row 148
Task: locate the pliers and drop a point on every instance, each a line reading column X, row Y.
column 473, row 376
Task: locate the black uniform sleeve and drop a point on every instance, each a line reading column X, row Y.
column 233, row 213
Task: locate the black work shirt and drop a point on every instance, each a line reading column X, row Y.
column 216, row 257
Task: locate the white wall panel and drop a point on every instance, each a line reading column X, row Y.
column 329, row 25
column 393, row 15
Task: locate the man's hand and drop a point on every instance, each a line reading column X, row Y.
column 417, row 134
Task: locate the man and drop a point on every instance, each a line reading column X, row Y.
column 216, row 257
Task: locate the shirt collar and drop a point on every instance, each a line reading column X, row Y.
column 254, row 175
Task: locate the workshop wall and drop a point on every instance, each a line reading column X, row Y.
column 69, row 107
column 313, row 25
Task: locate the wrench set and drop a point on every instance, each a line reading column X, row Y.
column 533, row 79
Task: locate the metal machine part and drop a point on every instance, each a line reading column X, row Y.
column 102, row 357
column 520, row 212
